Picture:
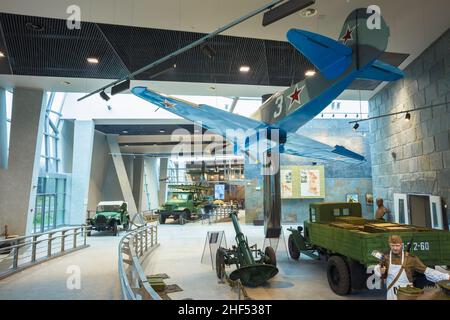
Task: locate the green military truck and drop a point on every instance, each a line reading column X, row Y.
column 183, row 201
column 337, row 233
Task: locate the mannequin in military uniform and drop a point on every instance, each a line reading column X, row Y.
column 381, row 210
column 399, row 268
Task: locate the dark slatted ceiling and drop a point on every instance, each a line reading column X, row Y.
column 57, row 51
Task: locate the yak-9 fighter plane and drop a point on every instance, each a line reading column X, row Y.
column 354, row 55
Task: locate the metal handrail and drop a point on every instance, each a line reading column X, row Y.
column 137, row 244
column 14, row 261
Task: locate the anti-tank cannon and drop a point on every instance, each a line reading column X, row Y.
column 253, row 267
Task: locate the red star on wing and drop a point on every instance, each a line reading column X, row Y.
column 168, row 104
column 295, row 96
column 348, row 35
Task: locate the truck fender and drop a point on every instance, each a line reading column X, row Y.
column 299, row 240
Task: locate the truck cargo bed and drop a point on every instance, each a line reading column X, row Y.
column 358, row 241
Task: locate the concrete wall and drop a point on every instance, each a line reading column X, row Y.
column 340, row 178
column 18, row 183
column 66, row 145
column 83, row 141
column 99, row 167
column 421, row 146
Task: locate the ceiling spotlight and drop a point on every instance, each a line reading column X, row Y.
column 244, row 69
column 125, row 131
column 104, row 96
column 92, row 60
column 408, row 116
column 308, row 12
column 162, row 131
column 356, row 126
column 2, row 55
column 310, row 73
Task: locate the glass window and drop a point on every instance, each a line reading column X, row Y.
column 336, row 212
column 313, row 214
column 50, row 204
column 435, row 217
column 401, row 211
column 346, row 211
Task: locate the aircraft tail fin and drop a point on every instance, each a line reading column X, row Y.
column 366, row 33
column 363, row 39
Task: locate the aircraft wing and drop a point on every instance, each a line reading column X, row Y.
column 208, row 117
column 302, row 146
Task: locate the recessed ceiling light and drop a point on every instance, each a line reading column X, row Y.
column 310, row 73
column 162, row 131
column 2, row 55
column 92, row 60
column 126, row 145
column 125, row 131
column 308, row 12
column 244, row 69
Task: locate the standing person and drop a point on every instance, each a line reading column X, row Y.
column 400, row 267
column 381, row 210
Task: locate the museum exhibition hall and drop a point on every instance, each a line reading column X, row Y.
column 224, row 150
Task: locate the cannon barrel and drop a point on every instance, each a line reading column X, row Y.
column 244, row 254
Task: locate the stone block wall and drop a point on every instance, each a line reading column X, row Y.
column 414, row 156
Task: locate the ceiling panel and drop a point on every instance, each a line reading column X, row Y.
column 45, row 47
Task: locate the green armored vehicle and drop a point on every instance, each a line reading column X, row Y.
column 337, row 233
column 183, row 201
column 109, row 215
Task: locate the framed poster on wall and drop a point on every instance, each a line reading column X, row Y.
column 286, row 183
column 312, row 182
column 302, row 182
column 352, row 197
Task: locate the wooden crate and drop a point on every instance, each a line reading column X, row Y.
column 352, row 220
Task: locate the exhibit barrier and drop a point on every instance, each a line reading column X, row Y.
column 134, row 247
column 219, row 214
column 19, row 253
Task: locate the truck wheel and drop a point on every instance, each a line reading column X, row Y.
column 293, row 250
column 338, row 276
column 162, row 219
column 114, row 228
column 220, row 263
column 270, row 254
column 186, row 214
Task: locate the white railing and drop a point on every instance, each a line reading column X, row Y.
column 134, row 247
column 19, row 253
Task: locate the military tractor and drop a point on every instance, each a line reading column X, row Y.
column 109, row 215
column 337, row 233
column 183, row 201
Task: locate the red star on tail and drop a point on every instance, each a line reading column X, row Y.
column 348, row 35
